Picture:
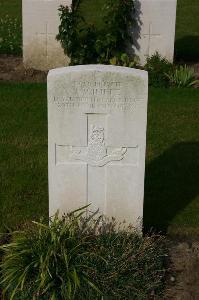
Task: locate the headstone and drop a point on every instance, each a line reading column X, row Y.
column 97, row 119
column 155, row 29
column 41, row 50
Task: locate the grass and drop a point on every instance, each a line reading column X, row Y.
column 11, row 27
column 187, row 31
column 171, row 187
column 23, row 153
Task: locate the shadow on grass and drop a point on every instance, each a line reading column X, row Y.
column 171, row 182
column 187, row 49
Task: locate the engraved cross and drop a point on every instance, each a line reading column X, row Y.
column 45, row 35
column 150, row 36
column 97, row 157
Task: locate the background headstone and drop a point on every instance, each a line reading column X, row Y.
column 97, row 134
column 40, row 26
column 155, row 30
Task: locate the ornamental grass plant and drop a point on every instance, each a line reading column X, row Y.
column 78, row 257
column 182, row 76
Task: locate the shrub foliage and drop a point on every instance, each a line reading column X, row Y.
column 158, row 67
column 82, row 258
column 85, row 44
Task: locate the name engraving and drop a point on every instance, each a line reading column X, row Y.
column 91, row 95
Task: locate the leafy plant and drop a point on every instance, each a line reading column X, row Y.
column 45, row 260
column 84, row 43
column 182, row 76
column 158, row 68
column 79, row 258
column 125, row 61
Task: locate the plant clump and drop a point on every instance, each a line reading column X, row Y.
column 182, row 76
column 158, row 67
column 78, row 257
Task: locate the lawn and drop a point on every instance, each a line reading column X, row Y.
column 187, row 31
column 171, row 187
column 23, row 153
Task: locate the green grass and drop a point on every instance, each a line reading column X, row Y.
column 12, row 8
column 11, row 27
column 23, row 153
column 187, row 30
column 171, row 187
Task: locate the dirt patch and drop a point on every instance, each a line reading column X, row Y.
column 12, row 69
column 196, row 69
column 183, row 279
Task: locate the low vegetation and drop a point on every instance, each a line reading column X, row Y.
column 162, row 73
column 82, row 258
column 182, row 76
column 158, row 68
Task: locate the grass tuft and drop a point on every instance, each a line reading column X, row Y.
column 82, row 258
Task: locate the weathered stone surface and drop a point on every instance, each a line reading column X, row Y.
column 97, row 134
column 155, row 29
column 40, row 26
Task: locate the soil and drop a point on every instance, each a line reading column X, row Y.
column 12, row 69
column 183, row 278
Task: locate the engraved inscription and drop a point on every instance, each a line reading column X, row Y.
column 98, row 84
column 90, row 95
column 95, row 102
column 96, row 152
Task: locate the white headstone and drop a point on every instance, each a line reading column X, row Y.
column 41, row 50
column 155, row 30
column 97, row 119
